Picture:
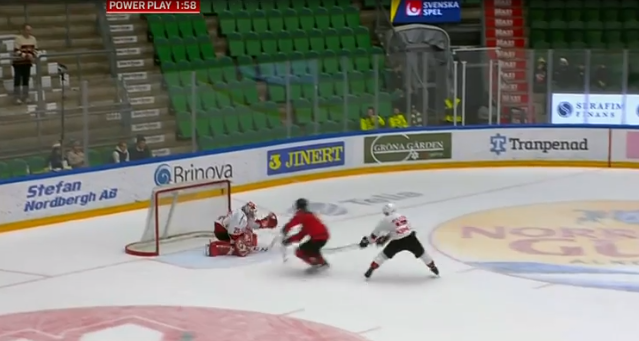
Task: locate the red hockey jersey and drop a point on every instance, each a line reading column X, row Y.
column 312, row 226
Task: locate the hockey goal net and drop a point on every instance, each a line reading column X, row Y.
column 181, row 215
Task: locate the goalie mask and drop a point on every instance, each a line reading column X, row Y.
column 250, row 209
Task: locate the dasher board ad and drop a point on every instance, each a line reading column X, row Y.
column 606, row 109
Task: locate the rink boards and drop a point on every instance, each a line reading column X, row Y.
column 56, row 197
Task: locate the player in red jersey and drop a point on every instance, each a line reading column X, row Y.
column 309, row 251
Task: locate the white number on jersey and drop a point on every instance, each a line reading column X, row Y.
column 235, row 222
column 402, row 226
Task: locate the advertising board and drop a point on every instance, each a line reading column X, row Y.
column 390, row 148
column 305, row 157
column 608, row 109
column 425, row 12
column 55, row 197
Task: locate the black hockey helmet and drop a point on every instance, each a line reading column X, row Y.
column 301, row 204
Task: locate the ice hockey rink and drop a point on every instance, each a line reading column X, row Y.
column 525, row 254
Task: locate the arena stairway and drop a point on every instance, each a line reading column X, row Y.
column 65, row 32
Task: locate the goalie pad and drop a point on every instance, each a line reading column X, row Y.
column 241, row 246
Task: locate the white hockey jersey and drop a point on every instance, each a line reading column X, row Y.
column 395, row 226
column 236, row 222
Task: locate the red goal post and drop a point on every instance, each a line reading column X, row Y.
column 181, row 215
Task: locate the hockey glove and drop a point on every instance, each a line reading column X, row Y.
column 269, row 222
column 364, row 242
column 381, row 240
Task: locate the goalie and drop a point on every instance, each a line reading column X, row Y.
column 234, row 232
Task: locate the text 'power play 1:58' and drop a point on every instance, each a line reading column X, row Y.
column 153, row 7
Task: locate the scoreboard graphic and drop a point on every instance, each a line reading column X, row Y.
column 425, row 12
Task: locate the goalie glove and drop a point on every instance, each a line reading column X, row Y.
column 269, row 222
column 364, row 242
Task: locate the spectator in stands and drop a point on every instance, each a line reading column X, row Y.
column 57, row 161
column 540, row 76
column 371, row 121
column 25, row 49
column 121, row 153
column 141, row 150
column 601, row 78
column 564, row 75
column 416, row 117
column 75, row 156
column 397, row 120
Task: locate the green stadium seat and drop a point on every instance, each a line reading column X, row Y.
column 192, row 46
column 206, row 7
column 226, row 22
column 235, row 6
column 259, row 118
column 216, row 123
column 236, row 44
column 269, row 42
column 363, row 37
column 339, row 86
column 249, row 89
column 245, row 118
column 347, row 38
column 352, row 17
column 37, row 164
column 243, row 21
column 291, row 19
column 178, row 50
column 267, row 5
column 260, row 22
column 208, row 100
column 163, row 50
column 284, row 42
column 252, row 43
column 231, row 121
column 202, row 126
column 95, row 159
column 357, row 85
column 300, row 41
column 185, row 25
column 322, row 18
column 307, row 19
column 199, row 27
column 156, row 27
column 275, row 20
column 362, row 60
column 337, row 18
column 332, row 39
column 303, row 111
column 206, row 47
column 171, row 26
column 313, row 4
column 19, row 167
column 277, row 92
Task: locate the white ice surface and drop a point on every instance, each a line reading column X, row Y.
column 81, row 264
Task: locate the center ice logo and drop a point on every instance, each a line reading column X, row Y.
column 590, row 244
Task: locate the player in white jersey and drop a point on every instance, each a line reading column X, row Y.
column 234, row 231
column 395, row 228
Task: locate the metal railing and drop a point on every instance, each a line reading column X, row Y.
column 219, row 103
column 66, row 101
column 25, row 17
column 107, row 38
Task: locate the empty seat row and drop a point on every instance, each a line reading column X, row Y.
column 290, row 19
column 254, row 44
column 219, row 6
column 170, row 26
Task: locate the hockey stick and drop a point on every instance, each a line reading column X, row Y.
column 343, row 248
